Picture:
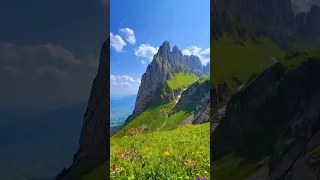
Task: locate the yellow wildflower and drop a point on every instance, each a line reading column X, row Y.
column 166, row 153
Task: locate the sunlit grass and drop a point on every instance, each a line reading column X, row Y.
column 182, row 153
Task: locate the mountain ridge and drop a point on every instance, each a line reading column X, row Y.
column 165, row 64
column 274, row 19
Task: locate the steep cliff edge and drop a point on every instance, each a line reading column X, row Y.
column 274, row 117
column 93, row 145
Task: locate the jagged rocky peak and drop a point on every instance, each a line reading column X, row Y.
column 165, row 63
column 164, row 49
column 175, row 50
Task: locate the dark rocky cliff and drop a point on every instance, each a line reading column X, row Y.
column 247, row 15
column 272, row 18
column 308, row 24
column 276, row 115
column 93, row 145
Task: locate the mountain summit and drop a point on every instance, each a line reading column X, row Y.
column 165, row 64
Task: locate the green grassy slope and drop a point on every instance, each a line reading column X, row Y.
column 241, row 58
column 153, row 118
column 181, row 80
column 157, row 118
column 190, row 142
column 296, row 61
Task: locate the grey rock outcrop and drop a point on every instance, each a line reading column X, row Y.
column 206, row 69
column 308, row 24
column 93, row 147
column 202, row 113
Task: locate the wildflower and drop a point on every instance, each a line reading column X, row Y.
column 124, row 155
column 134, row 154
column 200, row 178
column 112, row 165
column 131, row 132
column 166, row 153
column 191, row 163
column 115, row 170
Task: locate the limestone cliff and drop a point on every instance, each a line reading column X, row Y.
column 93, row 145
column 164, row 65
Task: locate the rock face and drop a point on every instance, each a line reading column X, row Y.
column 240, row 117
column 242, row 15
column 93, row 147
column 272, row 18
column 206, row 69
column 279, row 112
column 308, row 24
column 165, row 63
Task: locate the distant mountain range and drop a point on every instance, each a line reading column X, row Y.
column 120, row 109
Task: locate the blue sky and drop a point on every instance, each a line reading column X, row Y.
column 138, row 28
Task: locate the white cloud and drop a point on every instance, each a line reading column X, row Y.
column 146, row 51
column 44, row 70
column 116, row 42
column 204, row 55
column 128, row 34
column 143, row 62
column 124, row 85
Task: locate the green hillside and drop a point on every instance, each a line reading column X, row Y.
column 241, row 58
column 161, row 120
column 182, row 80
column 188, row 143
column 233, row 56
column 164, row 146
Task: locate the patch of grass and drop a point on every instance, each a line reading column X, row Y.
column 186, row 143
column 232, row 168
column 182, row 80
column 153, row 118
column 296, row 61
column 241, row 59
column 190, row 142
column 175, row 119
column 203, row 79
column 315, row 153
column 100, row 173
